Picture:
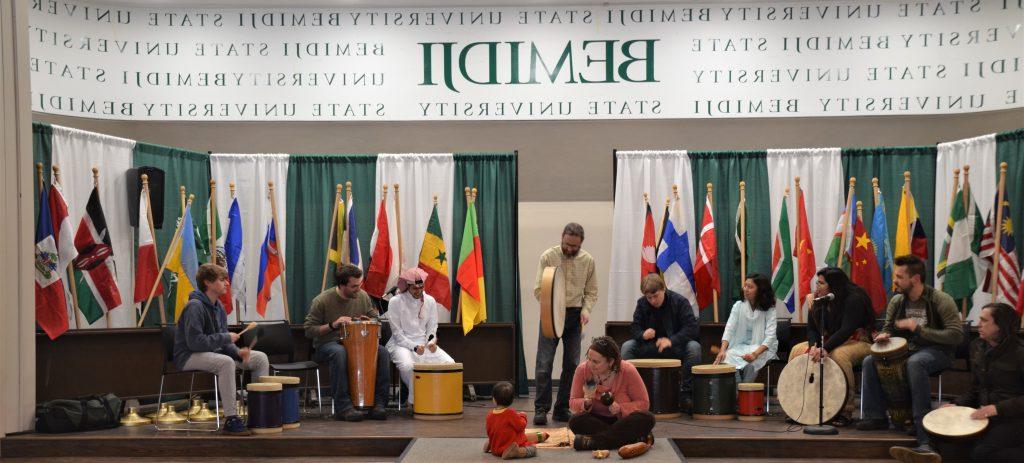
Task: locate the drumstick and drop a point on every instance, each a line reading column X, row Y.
column 248, row 327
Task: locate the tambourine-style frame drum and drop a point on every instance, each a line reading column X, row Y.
column 437, row 391
column 360, row 338
column 714, row 392
column 954, row 423
column 799, row 390
column 891, row 365
column 289, row 399
column 264, row 407
column 552, row 302
column 750, row 402
column 661, row 378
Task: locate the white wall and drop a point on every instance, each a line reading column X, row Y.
column 540, row 227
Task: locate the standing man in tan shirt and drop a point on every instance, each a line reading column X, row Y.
column 341, row 304
column 580, row 296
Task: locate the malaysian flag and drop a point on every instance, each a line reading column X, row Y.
column 1009, row 267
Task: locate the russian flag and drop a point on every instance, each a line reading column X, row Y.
column 270, row 269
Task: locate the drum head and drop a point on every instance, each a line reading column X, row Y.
column 798, row 395
column 437, row 367
column 953, row 422
column 656, row 363
column 552, row 302
column 894, row 344
column 710, row 369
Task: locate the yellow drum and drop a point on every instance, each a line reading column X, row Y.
column 437, row 391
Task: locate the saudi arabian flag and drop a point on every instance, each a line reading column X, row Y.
column 956, row 264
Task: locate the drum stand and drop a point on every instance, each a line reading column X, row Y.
column 821, row 429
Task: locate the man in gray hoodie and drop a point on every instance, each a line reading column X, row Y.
column 202, row 342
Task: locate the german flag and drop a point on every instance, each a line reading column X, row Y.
column 434, row 261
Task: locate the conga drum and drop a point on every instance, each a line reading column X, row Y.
column 661, row 378
column 264, row 407
column 360, row 340
column 800, row 390
column 552, row 302
column 289, row 399
column 954, row 423
column 750, row 402
column 714, row 392
column 437, row 391
column 891, row 365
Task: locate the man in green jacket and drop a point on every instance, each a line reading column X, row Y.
column 927, row 318
column 997, row 389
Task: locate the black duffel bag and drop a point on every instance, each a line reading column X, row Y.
column 81, row 414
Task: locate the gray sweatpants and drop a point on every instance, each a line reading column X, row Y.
column 224, row 367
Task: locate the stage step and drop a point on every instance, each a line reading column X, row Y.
column 833, row 447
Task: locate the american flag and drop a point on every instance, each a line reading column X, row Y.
column 1009, row 267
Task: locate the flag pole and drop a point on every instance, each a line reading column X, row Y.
column 998, row 226
column 398, row 227
column 96, row 185
column 211, row 227
column 330, row 235
column 280, row 249
column 967, row 191
column 458, row 313
column 807, row 300
column 952, row 195
column 181, row 191
column 238, row 308
column 346, row 254
column 846, row 222
column 71, row 269
column 163, row 266
column 714, row 292
column 743, row 232
column 152, row 231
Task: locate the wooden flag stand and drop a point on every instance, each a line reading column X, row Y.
column 743, row 233
column 967, row 193
column 96, row 185
column 997, row 233
column 796, row 280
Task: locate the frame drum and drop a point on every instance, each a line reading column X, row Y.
column 552, row 302
column 437, row 391
column 661, row 378
column 954, row 422
column 799, row 388
column 714, row 392
column 360, row 338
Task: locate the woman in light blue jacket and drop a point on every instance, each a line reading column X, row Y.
column 749, row 340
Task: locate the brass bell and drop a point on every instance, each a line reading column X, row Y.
column 204, row 414
column 243, row 411
column 171, row 416
column 197, row 405
column 160, row 412
column 132, row 418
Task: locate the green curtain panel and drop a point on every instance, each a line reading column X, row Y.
column 42, row 151
column 724, row 170
column 311, row 189
column 495, row 177
column 888, row 164
column 1010, row 149
column 181, row 167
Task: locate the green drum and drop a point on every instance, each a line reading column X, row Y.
column 714, row 392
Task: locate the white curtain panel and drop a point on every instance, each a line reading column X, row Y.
column 420, row 177
column 980, row 154
column 250, row 174
column 639, row 172
column 77, row 152
column 821, row 179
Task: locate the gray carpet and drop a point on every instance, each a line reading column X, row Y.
column 449, row 450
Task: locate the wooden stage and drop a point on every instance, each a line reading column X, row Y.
column 318, row 438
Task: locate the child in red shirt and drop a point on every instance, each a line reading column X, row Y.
column 506, row 428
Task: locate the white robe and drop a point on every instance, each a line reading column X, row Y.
column 746, row 330
column 409, row 330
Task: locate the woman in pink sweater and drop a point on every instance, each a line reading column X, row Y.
column 608, row 400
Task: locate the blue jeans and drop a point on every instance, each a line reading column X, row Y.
column 688, row 354
column 920, row 365
column 336, row 358
column 546, row 347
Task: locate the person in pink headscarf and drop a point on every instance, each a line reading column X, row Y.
column 412, row 314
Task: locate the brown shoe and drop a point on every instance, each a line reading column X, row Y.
column 633, row 450
column 922, row 454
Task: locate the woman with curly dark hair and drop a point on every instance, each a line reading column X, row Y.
column 749, row 340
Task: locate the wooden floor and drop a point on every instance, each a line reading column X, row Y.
column 320, row 438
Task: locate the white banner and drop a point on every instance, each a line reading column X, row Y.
column 765, row 59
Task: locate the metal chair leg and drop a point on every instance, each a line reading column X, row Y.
column 862, row 384
column 159, row 398
column 768, row 390
column 319, row 399
column 216, row 399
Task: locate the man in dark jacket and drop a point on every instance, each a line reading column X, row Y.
column 928, row 319
column 997, row 389
column 202, row 342
column 663, row 327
